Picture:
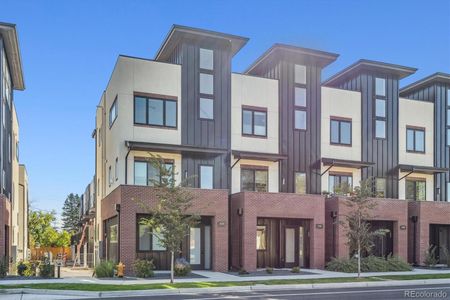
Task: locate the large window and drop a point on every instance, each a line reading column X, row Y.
column 300, row 98
column 254, row 179
column 145, row 173
column 148, row 239
column 300, row 183
column 380, row 108
column 416, row 189
column 341, row 131
column 260, row 237
column 448, row 117
column 113, row 113
column 415, row 139
column 206, row 84
column 340, row 183
column 155, row 112
column 254, row 121
column 206, row 177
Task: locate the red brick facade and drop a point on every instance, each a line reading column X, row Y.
column 386, row 210
column 212, row 203
column 255, row 205
column 427, row 212
column 5, row 213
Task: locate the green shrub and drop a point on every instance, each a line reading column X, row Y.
column 430, row 256
column 104, row 269
column 295, row 270
column 368, row 264
column 46, row 270
column 269, row 270
column 181, row 267
column 26, row 268
column 4, row 265
column 143, row 268
column 445, row 255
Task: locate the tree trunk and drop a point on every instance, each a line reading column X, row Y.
column 359, row 246
column 171, row 266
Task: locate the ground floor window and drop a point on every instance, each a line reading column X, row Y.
column 416, row 189
column 254, row 179
column 261, row 238
column 148, row 238
column 340, row 183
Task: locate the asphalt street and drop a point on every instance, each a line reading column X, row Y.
column 441, row 291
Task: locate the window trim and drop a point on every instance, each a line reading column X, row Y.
column 253, row 109
column 341, row 120
column 254, row 168
column 200, row 174
column 151, row 96
column 114, row 104
column 415, row 180
column 374, row 107
column 414, row 129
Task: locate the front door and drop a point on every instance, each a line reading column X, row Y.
column 295, row 246
column 200, row 247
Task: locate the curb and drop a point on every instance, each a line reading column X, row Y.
column 256, row 287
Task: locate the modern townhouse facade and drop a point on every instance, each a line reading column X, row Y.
column 11, row 78
column 266, row 152
column 87, row 235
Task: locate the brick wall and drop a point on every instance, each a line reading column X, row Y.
column 275, row 205
column 386, row 210
column 5, row 212
column 428, row 212
column 137, row 199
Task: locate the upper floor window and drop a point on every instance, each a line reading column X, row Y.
column 380, row 86
column 415, row 139
column 206, row 84
column 206, row 176
column 416, row 189
column 380, row 187
column 300, row 74
column 448, row 117
column 300, row 97
column 300, row 119
column 113, row 112
column 300, row 183
column 206, row 59
column 380, row 108
column 110, row 176
column 339, row 183
column 116, row 169
column 254, row 179
column 254, row 121
column 206, row 108
column 145, row 173
column 341, row 131
column 155, row 112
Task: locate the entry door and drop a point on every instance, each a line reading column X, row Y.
column 444, row 242
column 200, row 247
column 290, row 247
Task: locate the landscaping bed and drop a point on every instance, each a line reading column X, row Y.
column 275, row 272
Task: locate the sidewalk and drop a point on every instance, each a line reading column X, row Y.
column 209, row 276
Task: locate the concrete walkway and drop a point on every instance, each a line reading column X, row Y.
column 85, row 276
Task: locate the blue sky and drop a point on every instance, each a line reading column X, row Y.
column 69, row 49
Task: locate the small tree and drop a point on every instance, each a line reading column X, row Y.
column 360, row 236
column 71, row 212
column 40, row 227
column 172, row 214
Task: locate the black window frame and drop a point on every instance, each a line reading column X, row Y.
column 254, row 169
column 258, row 228
column 415, row 181
column 295, row 183
column 139, row 217
column 149, row 165
column 414, row 129
column 341, row 120
column 113, row 105
column 301, row 108
column 376, row 187
column 340, row 175
column 375, row 116
column 157, row 97
column 252, row 110
column 200, row 175
column 447, row 121
column 202, row 95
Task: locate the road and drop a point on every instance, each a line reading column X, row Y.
column 367, row 293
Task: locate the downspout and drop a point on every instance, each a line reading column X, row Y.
column 414, row 220
column 126, row 164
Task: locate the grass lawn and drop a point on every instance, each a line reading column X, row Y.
column 416, row 276
column 153, row 286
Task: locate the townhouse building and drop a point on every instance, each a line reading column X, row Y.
column 88, row 252
column 267, row 153
column 13, row 181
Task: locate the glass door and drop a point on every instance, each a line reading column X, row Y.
column 195, row 244
column 289, row 254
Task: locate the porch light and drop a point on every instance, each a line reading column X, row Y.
column 438, row 190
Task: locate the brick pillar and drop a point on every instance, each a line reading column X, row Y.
column 219, row 245
column 248, row 239
column 317, row 244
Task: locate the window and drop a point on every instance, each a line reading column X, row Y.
column 300, row 119
column 340, row 183
column 113, row 113
column 206, row 108
column 254, row 122
column 145, row 173
column 9, row 147
column 380, row 86
column 155, row 112
column 206, row 59
column 113, row 233
column 300, row 183
column 206, row 177
column 254, row 179
column 300, row 74
column 416, row 189
column 206, row 84
column 148, row 239
column 448, row 117
column 110, row 176
column 116, row 169
column 260, row 237
column 157, row 234
column 415, row 140
column 448, row 191
column 380, row 108
column 341, row 132
column 17, row 150
column 300, row 96
column 380, row 187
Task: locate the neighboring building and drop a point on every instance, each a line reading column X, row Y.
column 22, row 240
column 87, row 228
column 11, row 78
column 264, row 148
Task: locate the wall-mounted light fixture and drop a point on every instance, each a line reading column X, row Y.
column 240, row 211
column 284, row 181
column 402, row 227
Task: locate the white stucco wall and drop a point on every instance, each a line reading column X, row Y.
column 260, row 92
